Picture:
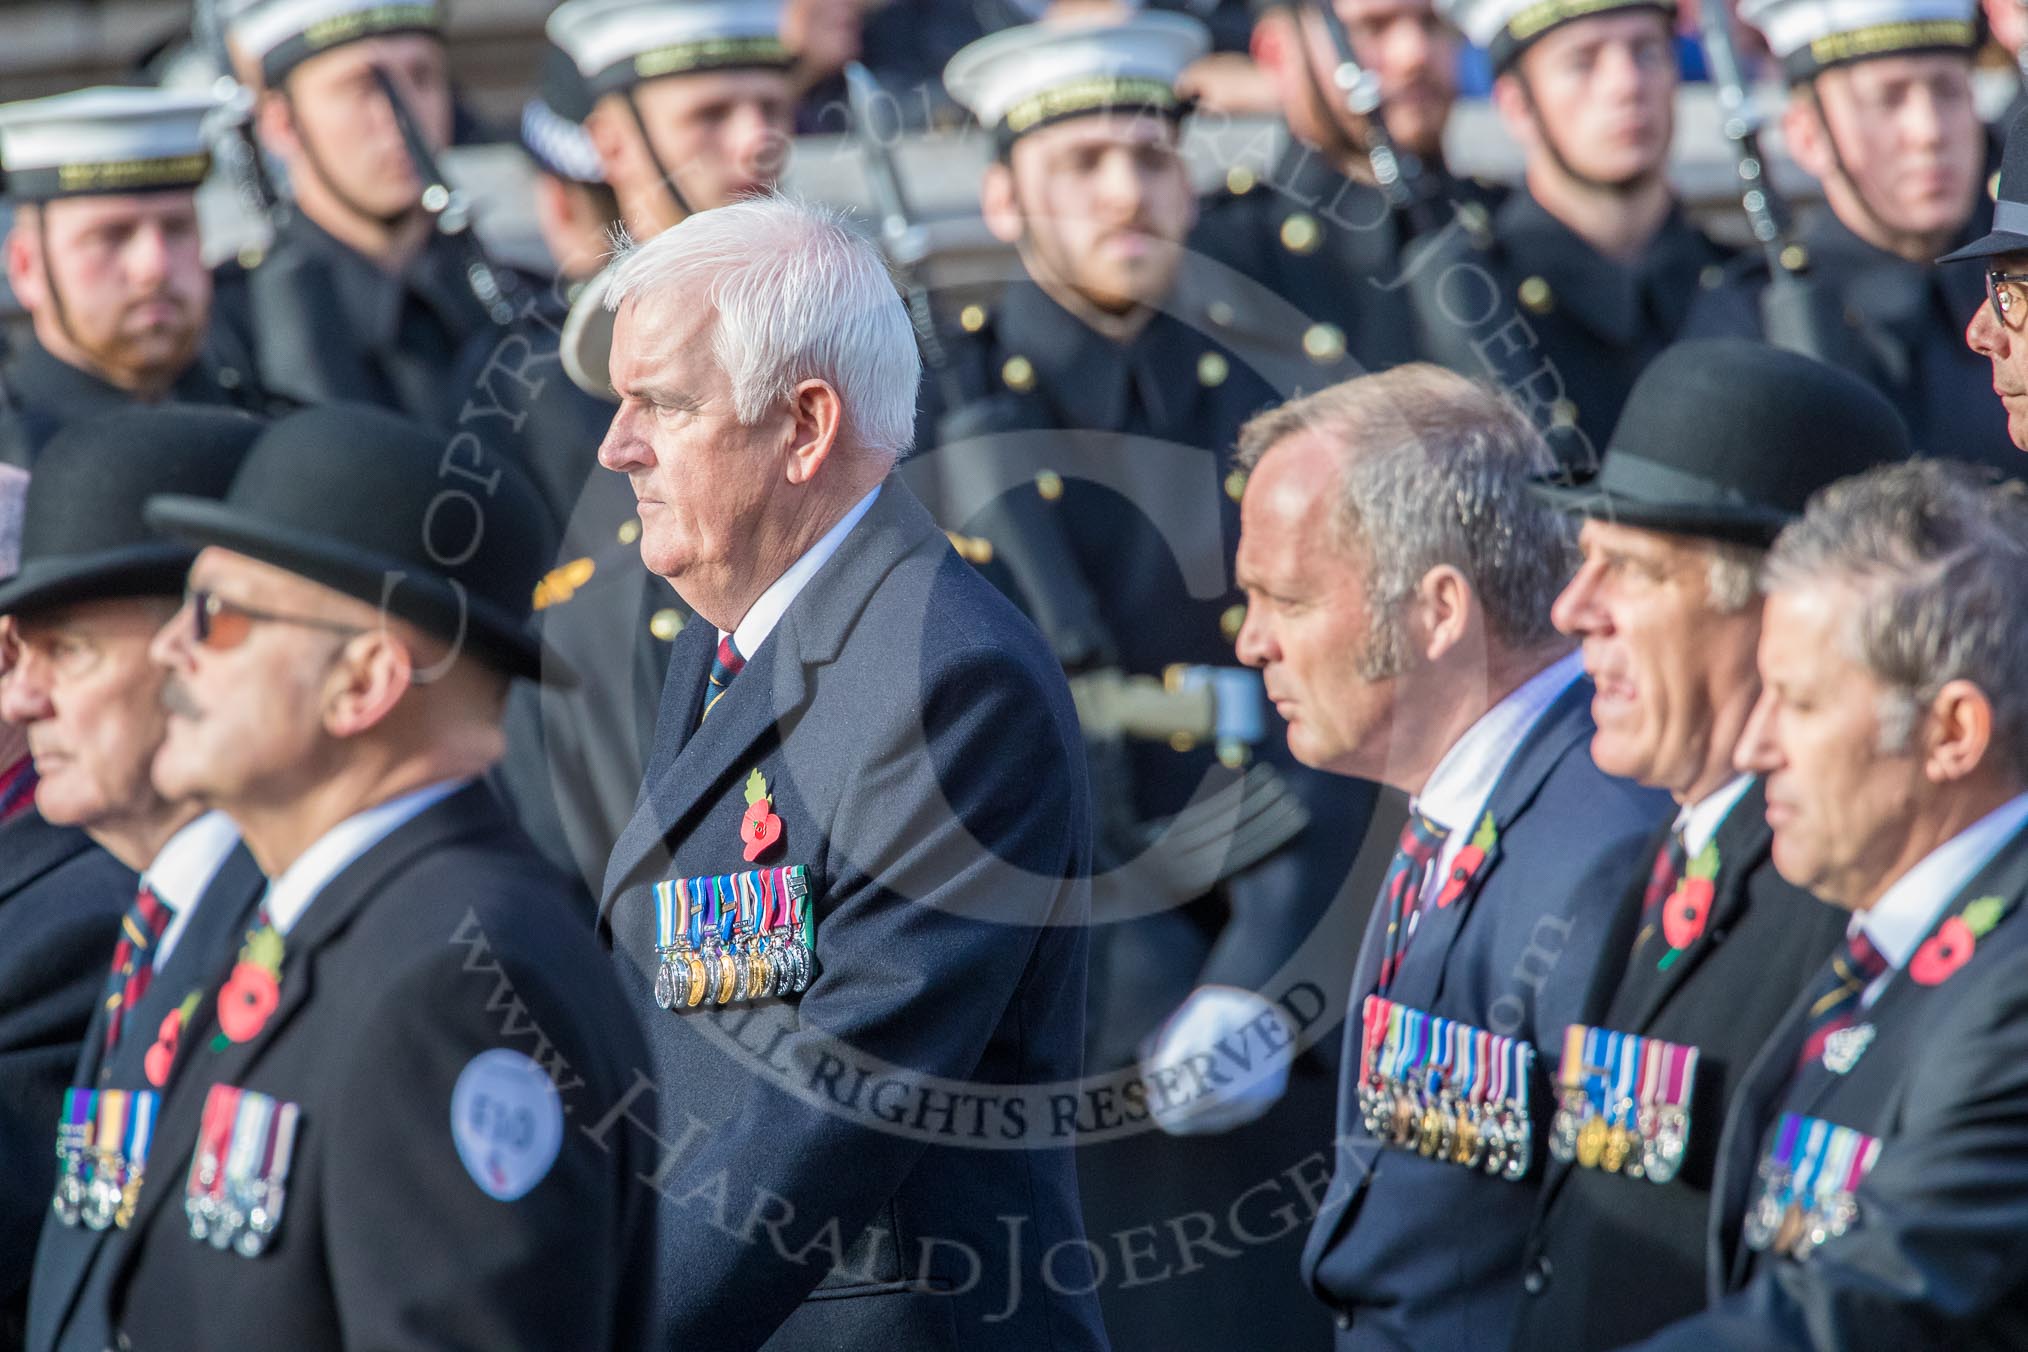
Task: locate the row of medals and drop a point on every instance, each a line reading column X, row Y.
column 106, row 1199
column 1440, row 1125
column 751, row 967
column 244, row 1214
column 1794, row 1227
column 1651, row 1147
column 243, row 1219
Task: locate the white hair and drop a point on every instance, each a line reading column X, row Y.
column 799, row 296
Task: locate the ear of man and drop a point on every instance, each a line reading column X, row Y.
column 1958, row 734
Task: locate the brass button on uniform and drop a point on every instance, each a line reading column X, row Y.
column 1239, row 180
column 1536, row 297
column 1018, row 374
column 1325, row 343
column 1230, row 622
column 630, row 531
column 1795, row 257
column 666, row 624
column 1049, row 484
column 972, row 318
column 1301, row 234
column 1212, row 369
column 1220, row 313
column 1235, row 485
column 1563, row 413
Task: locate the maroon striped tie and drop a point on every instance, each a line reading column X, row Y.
column 133, row 962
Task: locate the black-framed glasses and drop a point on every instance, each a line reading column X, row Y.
column 2007, row 293
column 223, row 625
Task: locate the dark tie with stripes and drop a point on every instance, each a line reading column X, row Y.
column 725, row 664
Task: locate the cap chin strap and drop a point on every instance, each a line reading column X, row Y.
column 56, row 302
column 666, row 179
column 387, row 221
column 49, row 281
column 1622, row 187
column 1339, row 144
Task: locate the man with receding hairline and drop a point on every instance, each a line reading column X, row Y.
column 1398, row 576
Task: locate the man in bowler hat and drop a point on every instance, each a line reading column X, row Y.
column 1722, row 442
column 93, row 586
column 1998, row 330
column 1872, row 1177
column 368, row 1146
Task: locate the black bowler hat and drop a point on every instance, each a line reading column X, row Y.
column 428, row 527
column 84, row 538
column 2010, row 201
column 1728, row 438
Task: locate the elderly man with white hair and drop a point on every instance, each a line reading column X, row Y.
column 850, row 903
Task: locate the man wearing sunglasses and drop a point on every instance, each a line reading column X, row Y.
column 1999, row 328
column 93, row 587
column 417, row 1004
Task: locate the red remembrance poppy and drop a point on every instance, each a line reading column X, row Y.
column 759, row 834
column 1685, row 912
column 246, row 1002
column 162, row 1055
column 1943, row 953
column 1462, row 868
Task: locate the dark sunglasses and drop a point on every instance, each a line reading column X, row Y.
column 223, row 625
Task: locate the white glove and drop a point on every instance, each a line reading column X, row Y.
column 1220, row 1061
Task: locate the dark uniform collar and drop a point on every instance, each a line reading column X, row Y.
column 1892, row 290
column 1611, row 298
column 1091, row 381
column 374, row 297
column 61, row 393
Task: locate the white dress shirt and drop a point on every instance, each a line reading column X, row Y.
column 1907, row 911
column 774, row 603
column 290, row 895
column 183, row 869
column 1457, row 791
column 1698, row 822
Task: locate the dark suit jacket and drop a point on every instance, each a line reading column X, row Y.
column 1939, row 1255
column 1415, row 1254
column 1611, row 1259
column 923, row 756
column 447, row 939
column 74, row 1264
column 61, row 899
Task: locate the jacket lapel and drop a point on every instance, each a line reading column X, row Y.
column 32, row 848
column 2005, row 875
column 774, row 686
column 1743, row 842
column 1562, row 724
column 198, row 1067
column 226, row 907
